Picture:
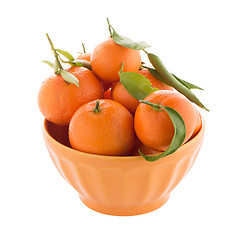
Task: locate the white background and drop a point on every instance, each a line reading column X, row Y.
column 197, row 40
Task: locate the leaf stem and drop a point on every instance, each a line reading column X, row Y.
column 109, row 27
column 55, row 53
column 121, row 70
column 145, row 51
column 96, row 109
column 155, row 106
column 84, row 49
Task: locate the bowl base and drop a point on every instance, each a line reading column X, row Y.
column 131, row 211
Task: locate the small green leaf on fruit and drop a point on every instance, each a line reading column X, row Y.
column 66, row 54
column 129, row 43
column 187, row 84
column 68, row 77
column 81, row 63
column 75, row 63
column 178, row 138
column 155, row 74
column 56, row 66
column 136, row 84
column 49, row 64
column 172, row 81
column 125, row 41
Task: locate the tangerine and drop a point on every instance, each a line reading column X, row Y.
column 84, row 56
column 108, row 56
column 120, row 94
column 155, row 128
column 102, row 127
column 58, row 99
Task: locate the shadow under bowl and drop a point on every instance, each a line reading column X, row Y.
column 117, row 185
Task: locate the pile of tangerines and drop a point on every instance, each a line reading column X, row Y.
column 116, row 105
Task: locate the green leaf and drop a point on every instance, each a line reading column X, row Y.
column 49, row 63
column 56, row 66
column 68, row 77
column 75, row 63
column 172, row 81
column 187, row 84
column 128, row 43
column 136, row 84
column 178, row 138
column 66, row 54
column 125, row 41
column 81, row 63
column 155, row 73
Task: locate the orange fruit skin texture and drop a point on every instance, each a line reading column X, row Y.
column 58, row 100
column 84, row 56
column 107, row 132
column 107, row 58
column 121, row 95
column 154, row 128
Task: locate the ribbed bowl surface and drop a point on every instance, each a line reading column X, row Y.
column 120, row 185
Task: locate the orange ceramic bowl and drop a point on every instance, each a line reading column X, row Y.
column 115, row 185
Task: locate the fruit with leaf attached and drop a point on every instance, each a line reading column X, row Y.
column 102, row 127
column 120, row 94
column 153, row 125
column 108, row 56
column 179, row 84
column 58, row 99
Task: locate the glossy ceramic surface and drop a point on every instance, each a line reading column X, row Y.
column 120, row 186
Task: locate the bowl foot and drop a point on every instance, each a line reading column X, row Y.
column 121, row 211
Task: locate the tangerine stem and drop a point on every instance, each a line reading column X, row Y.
column 54, row 52
column 145, row 51
column 121, row 70
column 96, row 109
column 84, row 49
column 109, row 27
column 155, row 106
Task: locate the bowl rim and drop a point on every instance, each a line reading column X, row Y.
column 126, row 158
